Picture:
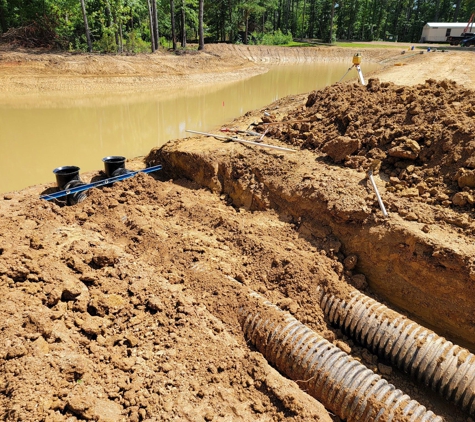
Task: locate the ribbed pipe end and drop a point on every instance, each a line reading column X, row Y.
column 432, row 360
column 342, row 384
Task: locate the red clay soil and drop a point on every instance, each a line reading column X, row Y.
column 421, row 258
column 125, row 307
column 122, row 307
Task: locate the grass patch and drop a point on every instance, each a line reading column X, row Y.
column 370, row 45
column 302, row 44
column 345, row 45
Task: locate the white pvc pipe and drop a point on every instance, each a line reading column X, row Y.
column 242, row 141
column 380, row 201
column 360, row 74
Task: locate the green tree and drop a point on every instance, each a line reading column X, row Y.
column 86, row 26
column 249, row 7
column 3, row 16
column 201, row 40
column 156, row 34
column 151, row 18
column 133, row 25
column 173, row 26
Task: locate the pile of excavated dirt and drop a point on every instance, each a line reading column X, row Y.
column 126, row 306
column 421, row 258
column 420, row 138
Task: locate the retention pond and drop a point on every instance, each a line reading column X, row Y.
column 35, row 139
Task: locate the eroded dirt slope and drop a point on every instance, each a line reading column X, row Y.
column 35, row 78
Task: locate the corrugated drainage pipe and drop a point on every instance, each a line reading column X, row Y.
column 439, row 364
column 75, row 198
column 339, row 382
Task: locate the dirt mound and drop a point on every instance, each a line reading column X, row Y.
column 124, row 307
column 420, row 138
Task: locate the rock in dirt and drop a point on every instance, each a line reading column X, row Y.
column 85, row 405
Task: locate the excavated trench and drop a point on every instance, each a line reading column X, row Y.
column 425, row 275
column 419, row 260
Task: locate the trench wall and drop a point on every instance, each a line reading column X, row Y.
column 425, row 276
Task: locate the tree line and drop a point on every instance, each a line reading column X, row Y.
column 146, row 25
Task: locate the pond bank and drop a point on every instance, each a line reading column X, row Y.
column 23, row 74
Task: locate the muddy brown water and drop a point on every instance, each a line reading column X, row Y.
column 36, row 139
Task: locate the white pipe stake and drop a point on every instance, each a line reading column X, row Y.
column 242, row 141
column 381, row 205
column 360, row 74
column 359, row 71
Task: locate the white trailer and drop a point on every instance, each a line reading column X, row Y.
column 439, row 31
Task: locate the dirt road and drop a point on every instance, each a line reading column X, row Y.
column 129, row 305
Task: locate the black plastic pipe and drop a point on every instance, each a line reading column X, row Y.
column 66, row 174
column 98, row 184
column 113, row 163
column 77, row 197
column 434, row 361
column 339, row 382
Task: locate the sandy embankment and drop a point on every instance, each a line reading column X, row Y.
column 23, row 74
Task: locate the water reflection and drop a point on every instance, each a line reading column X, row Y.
column 36, row 139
